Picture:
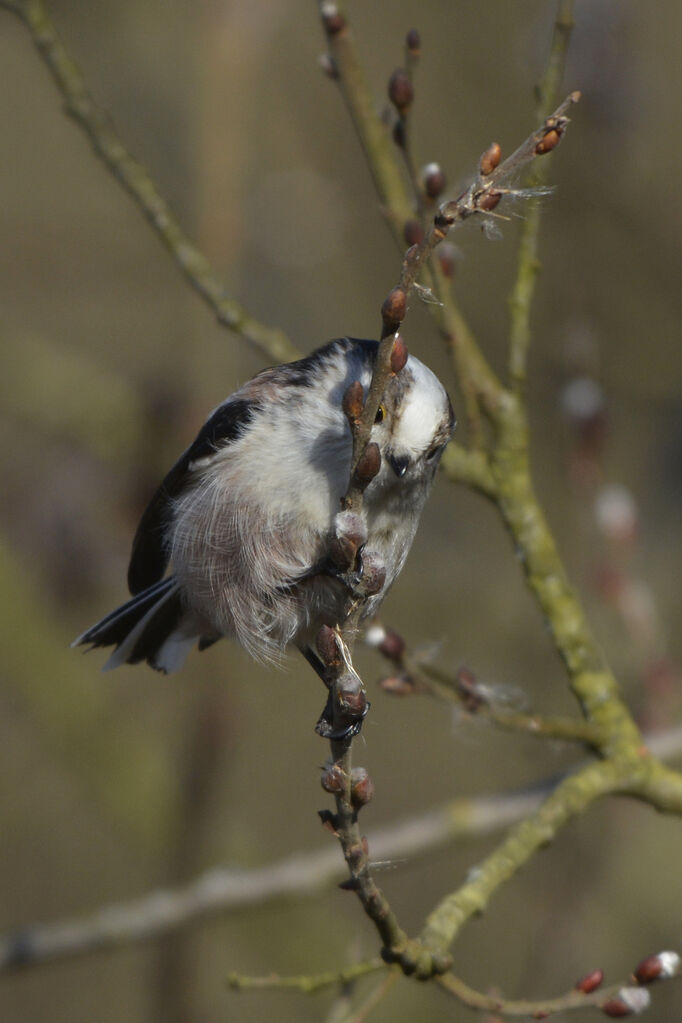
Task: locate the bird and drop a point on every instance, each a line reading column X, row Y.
column 243, row 519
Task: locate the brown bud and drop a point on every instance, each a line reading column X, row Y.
column 399, row 354
column 400, row 90
column 469, row 691
column 649, row 969
column 393, row 309
column 488, row 201
column 365, row 845
column 413, row 232
column 446, row 257
column 490, row 159
column 373, row 574
column 352, row 700
column 348, row 886
column 616, row 1008
column 398, row 685
column 433, row 180
column 590, row 982
column 392, row 646
column 628, row 1001
column 333, row 779
column 549, row 142
column 351, row 526
column 327, row 646
column 332, row 19
column 661, row 965
column 413, row 42
column 328, row 65
column 369, row 464
column 354, row 401
column 350, row 533
column 362, row 787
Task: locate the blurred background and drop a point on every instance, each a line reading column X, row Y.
column 115, row 784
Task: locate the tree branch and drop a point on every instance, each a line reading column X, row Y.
column 521, row 298
column 135, row 179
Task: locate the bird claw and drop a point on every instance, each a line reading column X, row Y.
column 346, row 728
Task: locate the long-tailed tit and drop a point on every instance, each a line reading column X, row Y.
column 245, row 516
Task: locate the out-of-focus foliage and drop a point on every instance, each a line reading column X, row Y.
column 110, row 363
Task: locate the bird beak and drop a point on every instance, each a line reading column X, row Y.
column 398, row 463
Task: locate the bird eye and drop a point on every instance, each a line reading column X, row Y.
column 381, row 412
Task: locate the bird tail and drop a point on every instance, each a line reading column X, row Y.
column 153, row 627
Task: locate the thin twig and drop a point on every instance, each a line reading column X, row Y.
column 575, row 999
column 444, row 685
column 521, row 298
column 307, row 984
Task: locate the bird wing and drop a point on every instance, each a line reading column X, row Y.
column 149, row 556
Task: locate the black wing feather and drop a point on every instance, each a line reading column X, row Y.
column 149, row 556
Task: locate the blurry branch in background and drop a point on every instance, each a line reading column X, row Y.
column 135, row 179
column 55, row 691
column 224, row 890
column 415, row 673
column 301, row 875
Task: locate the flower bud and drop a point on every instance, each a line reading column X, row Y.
column 332, row 19
column 590, row 982
column 352, row 699
column 392, row 645
column 354, row 401
column 488, row 201
column 369, row 464
column 373, row 574
column 548, row 142
column 399, row 354
column 413, row 42
column 469, row 691
column 660, row 966
column 350, row 533
column 397, row 685
column 362, row 787
column 413, row 232
column 490, row 159
column 433, row 180
column 400, row 90
column 393, row 309
column 446, row 257
column 615, row 510
column 328, row 65
column 629, row 1001
column 333, row 779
